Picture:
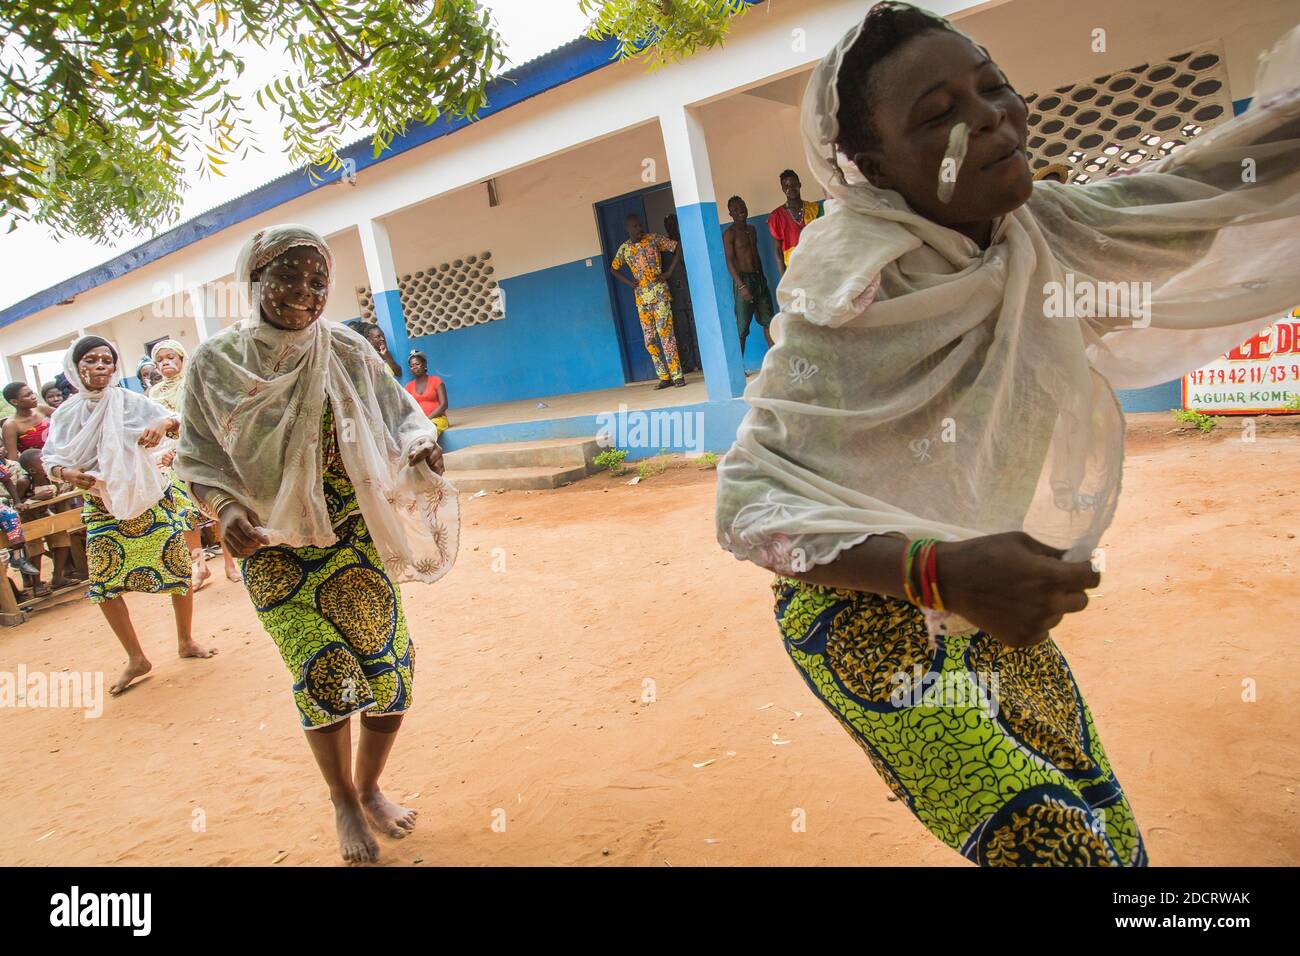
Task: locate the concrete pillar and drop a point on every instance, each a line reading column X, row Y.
column 382, row 273
column 710, row 282
column 204, row 324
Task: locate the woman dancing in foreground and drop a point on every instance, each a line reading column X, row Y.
column 100, row 440
column 932, row 452
column 325, row 477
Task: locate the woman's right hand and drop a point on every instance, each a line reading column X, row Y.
column 78, row 477
column 1012, row 586
column 239, row 531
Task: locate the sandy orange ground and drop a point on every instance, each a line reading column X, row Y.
column 530, row 683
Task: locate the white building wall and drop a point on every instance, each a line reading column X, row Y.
column 1040, row 43
column 545, row 215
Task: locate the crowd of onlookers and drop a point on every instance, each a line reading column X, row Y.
column 29, row 493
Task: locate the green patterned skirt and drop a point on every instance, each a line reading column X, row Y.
column 992, row 748
column 180, row 495
column 148, row 554
column 333, row 613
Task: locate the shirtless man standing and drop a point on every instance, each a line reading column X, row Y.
column 753, row 298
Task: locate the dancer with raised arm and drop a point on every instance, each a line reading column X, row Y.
column 933, row 449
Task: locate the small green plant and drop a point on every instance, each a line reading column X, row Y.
column 708, row 460
column 651, row 467
column 1293, row 405
column 611, row 458
column 1202, row 421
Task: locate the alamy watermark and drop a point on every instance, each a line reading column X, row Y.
column 176, row 299
column 652, row 428
column 1087, row 299
column 922, row 688
column 70, row 689
column 133, row 911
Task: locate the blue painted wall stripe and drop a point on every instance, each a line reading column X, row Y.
column 558, row 337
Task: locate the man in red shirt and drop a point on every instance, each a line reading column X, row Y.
column 786, row 221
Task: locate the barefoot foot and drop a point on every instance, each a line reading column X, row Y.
column 199, row 572
column 388, row 817
column 190, row 649
column 232, row 572
column 134, row 669
column 356, row 842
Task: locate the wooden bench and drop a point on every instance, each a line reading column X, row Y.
column 11, row 612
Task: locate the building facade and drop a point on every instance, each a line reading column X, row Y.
column 487, row 244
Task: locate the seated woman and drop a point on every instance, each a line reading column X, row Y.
column 100, row 441
column 325, row 477
column 27, row 427
column 428, row 390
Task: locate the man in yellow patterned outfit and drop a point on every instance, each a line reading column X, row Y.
column 654, row 303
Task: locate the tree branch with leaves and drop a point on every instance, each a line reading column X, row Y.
column 103, row 102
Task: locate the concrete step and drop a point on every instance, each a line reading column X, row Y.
column 549, row 453
column 533, row 478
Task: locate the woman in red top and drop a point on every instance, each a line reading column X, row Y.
column 428, row 390
column 30, row 422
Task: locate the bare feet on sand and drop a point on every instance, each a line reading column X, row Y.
column 134, row 668
column 388, row 817
column 190, row 649
column 356, row 843
column 232, row 572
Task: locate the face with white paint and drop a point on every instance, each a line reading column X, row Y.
column 917, row 94
column 169, row 362
column 294, row 286
column 96, row 368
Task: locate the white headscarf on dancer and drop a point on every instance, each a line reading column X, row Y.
column 98, row 432
column 916, row 384
column 254, row 398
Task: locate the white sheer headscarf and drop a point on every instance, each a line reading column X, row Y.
column 918, row 386
column 98, row 432
column 254, row 398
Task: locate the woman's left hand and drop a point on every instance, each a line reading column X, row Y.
column 152, row 436
column 430, row 455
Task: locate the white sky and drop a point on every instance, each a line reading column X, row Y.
column 35, row 260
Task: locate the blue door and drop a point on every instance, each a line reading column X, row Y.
column 611, row 215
